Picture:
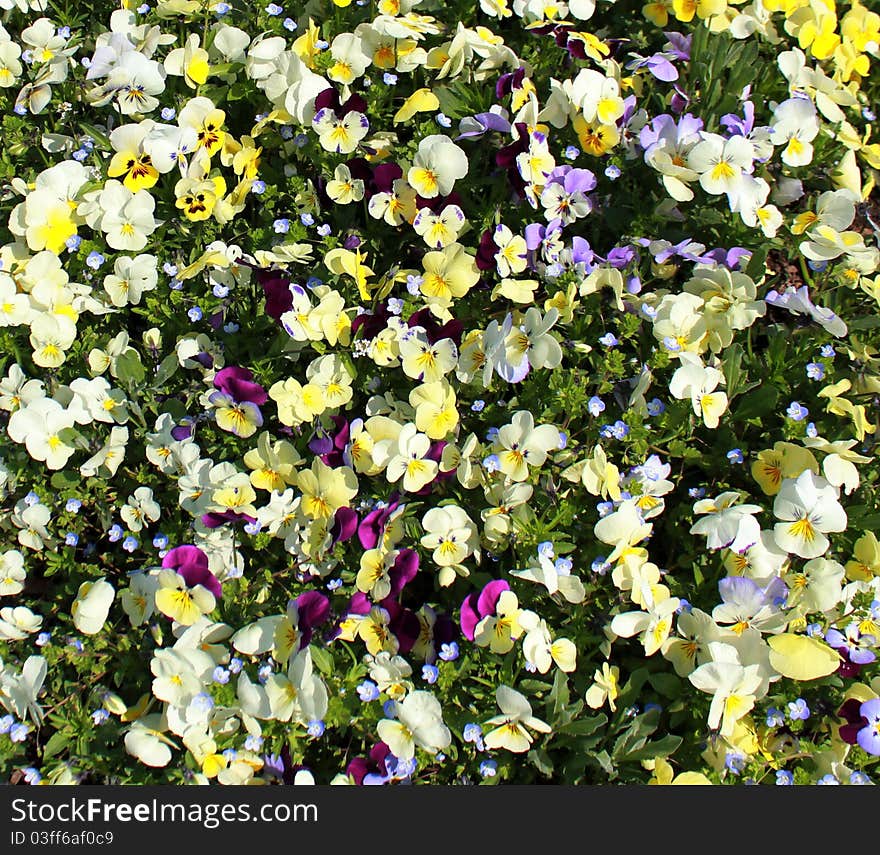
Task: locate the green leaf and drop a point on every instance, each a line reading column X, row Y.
column 129, row 368
column 584, row 726
column 662, row 747
column 760, row 402
column 166, row 370
column 57, row 743
column 755, row 267
column 732, row 367
column 540, row 759
column 65, row 479
column 323, row 660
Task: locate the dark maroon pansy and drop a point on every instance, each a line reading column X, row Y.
column 239, row 384
column 276, row 287
column 487, row 250
column 404, row 623
column 384, row 176
column 371, row 324
column 434, row 332
column 855, row 721
column 509, row 81
column 215, row 519
column 192, row 564
column 345, row 523
column 360, row 767
column 403, row 571
column 371, row 527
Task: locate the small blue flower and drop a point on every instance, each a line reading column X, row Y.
column 368, row 691
column 449, row 652
column 195, row 314
column 817, row 266
column 6, row 723
column 115, row 533
column 472, row 732
column 72, row 506
column 797, row 411
column 609, row 340
column 145, row 7
column 390, row 708
column 274, row 9
column 333, row 584
column 828, row 780
column 316, row 728
column 571, row 152
column 43, row 639
column 258, row 187
column 32, row 775
column 254, row 742
column 395, row 305
column 130, row 544
column 735, row 762
column 814, row 629
column 94, row 259
column 697, row 492
column 443, row 120
column 325, row 230
column 492, row 463
column 478, row 406
column 612, row 172
column 811, row 430
column 231, row 328
column 775, row 717
column 600, row 565
column 655, row 407
column 784, row 778
column 859, row 778
column 735, row 455
column 18, row 732
column 868, row 114
column 596, row 406
column 413, row 283
column 168, row 114
column 307, row 219
column 545, row 549
column 73, row 242
column 31, row 499
column 827, row 351
column 289, row 24
column 235, row 665
column 99, row 717
column 220, row 675
column 798, row 710
column 489, row 768
column 389, row 79
column 220, row 291
column 281, row 226
column 264, row 672
column 430, row 673
column 71, row 538
column 160, row 541
column 815, row 371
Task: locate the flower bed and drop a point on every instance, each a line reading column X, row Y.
column 439, row 392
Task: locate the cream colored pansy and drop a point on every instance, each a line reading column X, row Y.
column 17, row 623
column 452, row 536
column 521, row 445
column 438, row 164
column 92, row 605
column 605, row 687
column 12, row 573
column 418, row 723
column 409, row 461
column 39, row 427
column 511, row 729
column 808, row 508
column 698, row 382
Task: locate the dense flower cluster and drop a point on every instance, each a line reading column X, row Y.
column 411, row 391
